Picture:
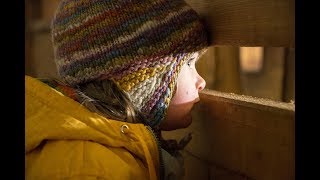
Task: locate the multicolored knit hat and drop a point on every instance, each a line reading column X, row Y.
column 139, row 44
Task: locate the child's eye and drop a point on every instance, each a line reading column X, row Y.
column 189, row 63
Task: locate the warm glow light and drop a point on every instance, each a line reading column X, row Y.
column 251, row 59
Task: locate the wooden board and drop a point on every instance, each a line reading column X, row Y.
column 249, row 135
column 246, row 136
column 249, row 22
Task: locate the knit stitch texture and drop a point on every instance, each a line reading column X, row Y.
column 139, row 44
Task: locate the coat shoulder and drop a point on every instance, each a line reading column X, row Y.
column 78, row 158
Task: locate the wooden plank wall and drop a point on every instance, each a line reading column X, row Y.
column 240, row 137
column 234, row 136
column 250, row 135
column 249, row 22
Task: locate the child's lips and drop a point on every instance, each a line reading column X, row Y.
column 196, row 100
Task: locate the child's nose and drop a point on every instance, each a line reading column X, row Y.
column 201, row 83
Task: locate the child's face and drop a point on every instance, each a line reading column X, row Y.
column 189, row 83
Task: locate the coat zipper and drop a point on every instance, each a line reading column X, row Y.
column 161, row 167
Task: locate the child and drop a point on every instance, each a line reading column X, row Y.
column 127, row 71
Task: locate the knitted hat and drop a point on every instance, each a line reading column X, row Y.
column 139, row 44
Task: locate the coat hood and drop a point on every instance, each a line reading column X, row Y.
column 49, row 115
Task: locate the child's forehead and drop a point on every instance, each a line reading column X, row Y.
column 195, row 54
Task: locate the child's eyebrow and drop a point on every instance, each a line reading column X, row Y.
column 195, row 59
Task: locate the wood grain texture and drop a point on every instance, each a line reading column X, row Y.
column 241, row 137
column 250, row 135
column 227, row 65
column 248, row 22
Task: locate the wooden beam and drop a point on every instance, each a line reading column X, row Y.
column 246, row 136
column 227, row 70
column 249, row 135
column 289, row 76
column 248, row 22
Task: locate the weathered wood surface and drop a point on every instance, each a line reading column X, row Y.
column 249, row 22
column 250, row 137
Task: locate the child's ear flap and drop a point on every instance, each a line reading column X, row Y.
column 174, row 89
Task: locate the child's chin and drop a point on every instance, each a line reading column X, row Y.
column 180, row 124
column 186, row 122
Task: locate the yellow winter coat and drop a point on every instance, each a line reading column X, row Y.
column 64, row 140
